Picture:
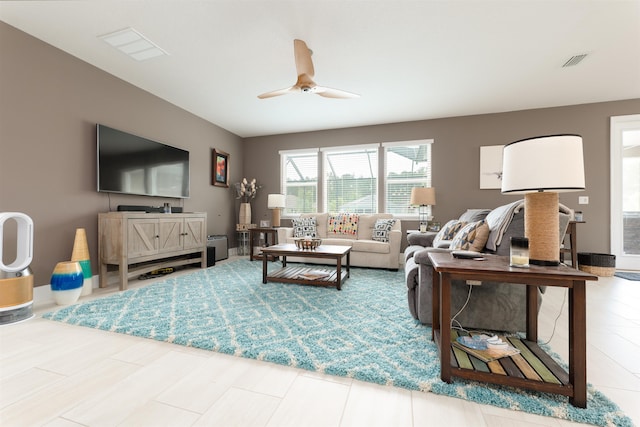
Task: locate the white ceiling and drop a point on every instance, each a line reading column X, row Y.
column 409, row 60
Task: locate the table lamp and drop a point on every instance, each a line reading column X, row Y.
column 423, row 197
column 540, row 168
column 275, row 202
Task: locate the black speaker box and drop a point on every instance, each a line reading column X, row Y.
column 211, row 256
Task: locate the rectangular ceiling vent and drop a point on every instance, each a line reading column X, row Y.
column 134, row 44
column 574, row 60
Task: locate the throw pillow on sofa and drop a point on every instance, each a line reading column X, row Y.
column 303, row 227
column 381, row 229
column 343, row 223
column 471, row 237
column 448, row 232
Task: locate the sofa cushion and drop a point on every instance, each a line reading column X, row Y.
column 471, row 237
column 371, row 246
column 303, row 227
column 338, row 241
column 381, row 229
column 448, row 231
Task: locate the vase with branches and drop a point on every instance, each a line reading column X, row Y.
column 246, row 191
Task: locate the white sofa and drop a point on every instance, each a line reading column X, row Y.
column 365, row 252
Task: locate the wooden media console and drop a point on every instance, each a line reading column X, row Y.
column 139, row 243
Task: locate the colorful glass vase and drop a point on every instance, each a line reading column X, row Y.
column 66, row 282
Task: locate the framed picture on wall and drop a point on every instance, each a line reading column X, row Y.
column 219, row 168
column 491, row 166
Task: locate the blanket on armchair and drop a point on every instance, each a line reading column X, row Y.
column 498, row 221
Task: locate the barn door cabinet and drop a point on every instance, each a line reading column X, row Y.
column 137, row 243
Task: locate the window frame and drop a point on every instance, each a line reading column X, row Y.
column 326, row 151
column 284, row 155
column 382, row 179
column 426, row 182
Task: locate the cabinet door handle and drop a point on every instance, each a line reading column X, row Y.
column 157, row 236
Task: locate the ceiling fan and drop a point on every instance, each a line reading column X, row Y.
column 305, row 82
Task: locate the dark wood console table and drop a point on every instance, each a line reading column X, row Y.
column 494, row 268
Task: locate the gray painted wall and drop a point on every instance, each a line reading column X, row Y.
column 456, row 157
column 51, row 101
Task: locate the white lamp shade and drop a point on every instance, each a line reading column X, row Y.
column 423, row 196
column 276, row 201
column 547, row 163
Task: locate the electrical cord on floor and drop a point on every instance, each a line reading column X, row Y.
column 555, row 322
column 453, row 319
column 461, row 328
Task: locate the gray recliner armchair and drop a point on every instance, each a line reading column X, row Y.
column 491, row 306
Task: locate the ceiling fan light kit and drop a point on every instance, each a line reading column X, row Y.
column 305, row 83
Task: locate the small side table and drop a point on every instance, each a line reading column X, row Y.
column 270, row 235
column 495, row 268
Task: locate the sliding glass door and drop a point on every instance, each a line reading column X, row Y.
column 625, row 191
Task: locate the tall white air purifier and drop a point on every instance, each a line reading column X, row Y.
column 16, row 280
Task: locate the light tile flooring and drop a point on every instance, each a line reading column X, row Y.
column 52, row 374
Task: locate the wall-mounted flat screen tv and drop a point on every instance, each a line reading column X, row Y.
column 130, row 164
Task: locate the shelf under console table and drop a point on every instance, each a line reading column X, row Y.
column 138, row 243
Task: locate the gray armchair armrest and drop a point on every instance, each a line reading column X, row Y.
column 421, row 239
column 422, row 257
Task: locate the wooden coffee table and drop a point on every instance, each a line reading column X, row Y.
column 295, row 274
column 554, row 378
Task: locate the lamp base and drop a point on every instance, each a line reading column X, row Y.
column 275, row 217
column 541, row 224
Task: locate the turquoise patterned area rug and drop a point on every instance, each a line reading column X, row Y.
column 364, row 331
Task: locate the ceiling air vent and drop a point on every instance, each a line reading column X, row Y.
column 134, row 44
column 574, row 60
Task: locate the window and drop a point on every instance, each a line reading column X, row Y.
column 408, row 165
column 350, row 179
column 300, row 181
column 360, row 179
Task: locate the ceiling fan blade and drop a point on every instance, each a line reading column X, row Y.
column 279, row 92
column 302, row 54
column 305, row 83
column 328, row 92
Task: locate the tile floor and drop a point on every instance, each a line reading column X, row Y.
column 52, row 374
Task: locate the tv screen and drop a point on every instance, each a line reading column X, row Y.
column 130, row 164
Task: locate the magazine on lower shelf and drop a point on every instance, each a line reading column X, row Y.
column 313, row 274
column 502, row 349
